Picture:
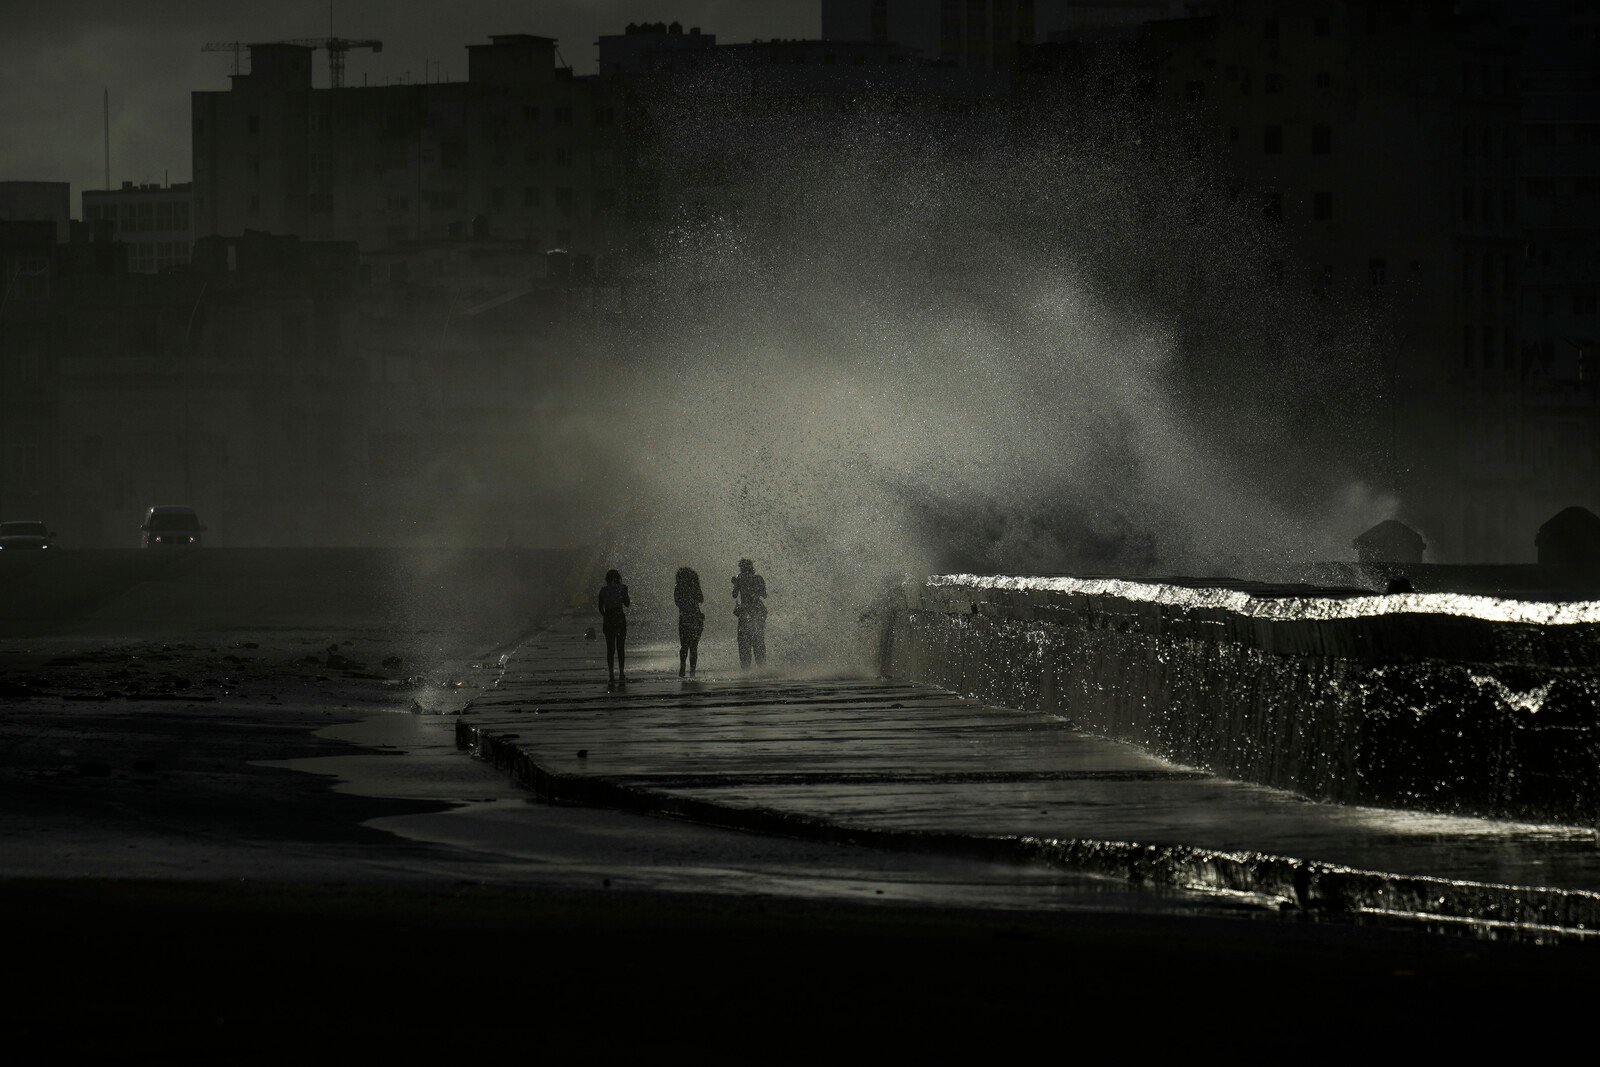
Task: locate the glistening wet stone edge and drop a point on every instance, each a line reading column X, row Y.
column 1411, row 710
column 1282, row 881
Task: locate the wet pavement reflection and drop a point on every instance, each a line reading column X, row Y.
column 914, row 767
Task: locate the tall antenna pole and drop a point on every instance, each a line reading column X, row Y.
column 105, row 104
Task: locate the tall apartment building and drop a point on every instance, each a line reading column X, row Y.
column 1558, row 211
column 1383, row 137
column 968, row 33
column 154, row 221
column 521, row 149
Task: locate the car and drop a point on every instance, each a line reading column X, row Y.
column 25, row 536
column 171, row 526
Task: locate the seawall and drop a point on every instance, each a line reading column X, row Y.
column 1435, row 702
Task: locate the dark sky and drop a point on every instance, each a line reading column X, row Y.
column 57, row 55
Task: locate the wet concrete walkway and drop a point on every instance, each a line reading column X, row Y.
column 911, row 767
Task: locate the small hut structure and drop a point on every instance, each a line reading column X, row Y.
column 1391, row 541
column 1570, row 541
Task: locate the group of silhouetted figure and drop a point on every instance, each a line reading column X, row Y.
column 749, row 608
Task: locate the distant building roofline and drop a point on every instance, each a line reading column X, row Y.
column 520, row 38
column 143, row 187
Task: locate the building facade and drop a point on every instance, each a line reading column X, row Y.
column 650, row 47
column 30, row 323
column 1558, row 212
column 967, row 33
column 521, row 149
column 37, row 202
column 1383, row 141
column 155, row 222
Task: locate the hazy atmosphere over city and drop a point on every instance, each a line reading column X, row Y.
column 528, row 525
column 56, row 60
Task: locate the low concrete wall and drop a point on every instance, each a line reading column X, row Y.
column 1434, row 702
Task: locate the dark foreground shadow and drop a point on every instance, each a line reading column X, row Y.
column 235, row 972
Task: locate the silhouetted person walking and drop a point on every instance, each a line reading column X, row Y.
column 750, row 606
column 614, row 603
column 691, row 620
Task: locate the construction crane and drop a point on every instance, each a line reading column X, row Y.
column 336, row 48
column 238, row 48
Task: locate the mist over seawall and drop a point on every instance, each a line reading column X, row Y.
column 892, row 345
